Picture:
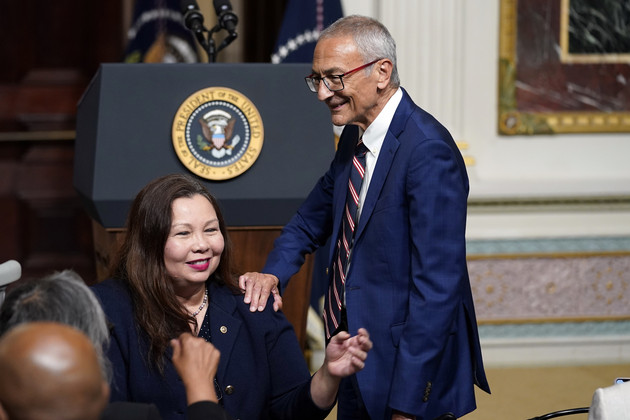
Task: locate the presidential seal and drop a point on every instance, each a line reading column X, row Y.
column 217, row 133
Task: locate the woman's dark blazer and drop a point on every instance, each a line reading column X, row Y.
column 123, row 410
column 262, row 373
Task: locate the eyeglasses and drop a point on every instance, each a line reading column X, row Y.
column 334, row 82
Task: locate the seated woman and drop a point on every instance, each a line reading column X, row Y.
column 174, row 274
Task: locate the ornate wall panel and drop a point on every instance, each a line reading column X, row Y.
column 551, row 288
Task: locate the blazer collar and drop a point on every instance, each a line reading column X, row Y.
column 383, row 165
column 224, row 324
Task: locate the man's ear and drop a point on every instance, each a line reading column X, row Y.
column 384, row 69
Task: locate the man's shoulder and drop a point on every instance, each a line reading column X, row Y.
column 419, row 124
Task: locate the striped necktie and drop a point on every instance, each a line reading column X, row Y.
column 334, row 300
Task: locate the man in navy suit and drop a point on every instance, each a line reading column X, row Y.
column 406, row 281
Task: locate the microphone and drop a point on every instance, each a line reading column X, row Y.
column 227, row 19
column 10, row 271
column 193, row 19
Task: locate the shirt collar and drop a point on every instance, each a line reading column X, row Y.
column 375, row 134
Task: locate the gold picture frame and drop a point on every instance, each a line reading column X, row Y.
column 530, row 100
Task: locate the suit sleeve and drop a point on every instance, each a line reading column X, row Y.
column 437, row 190
column 307, row 230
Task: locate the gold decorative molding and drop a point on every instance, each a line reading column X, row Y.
column 567, row 57
column 547, row 204
column 463, row 148
column 550, row 320
column 515, row 121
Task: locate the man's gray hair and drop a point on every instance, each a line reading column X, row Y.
column 372, row 38
column 60, row 297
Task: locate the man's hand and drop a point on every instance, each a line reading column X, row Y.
column 257, row 287
column 345, row 355
column 196, row 361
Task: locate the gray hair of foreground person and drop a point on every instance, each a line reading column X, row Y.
column 61, row 297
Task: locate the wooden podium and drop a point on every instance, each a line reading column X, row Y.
column 124, row 125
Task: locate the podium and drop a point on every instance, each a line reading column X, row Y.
column 125, row 126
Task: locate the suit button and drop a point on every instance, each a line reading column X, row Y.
column 229, row 390
column 427, row 391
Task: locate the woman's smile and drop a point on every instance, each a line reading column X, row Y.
column 199, row 265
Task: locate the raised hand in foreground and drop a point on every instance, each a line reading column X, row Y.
column 196, row 361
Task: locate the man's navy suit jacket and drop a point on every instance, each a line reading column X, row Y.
column 408, row 280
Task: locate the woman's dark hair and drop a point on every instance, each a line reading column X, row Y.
column 140, row 261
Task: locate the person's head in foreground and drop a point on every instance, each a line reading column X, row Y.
column 50, row 371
